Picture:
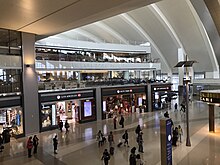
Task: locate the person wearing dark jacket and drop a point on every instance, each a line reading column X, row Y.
column 138, row 130
column 140, row 142
column 175, row 136
column 61, row 125
column 132, row 157
column 125, row 137
column 121, row 122
column 115, row 122
column 67, row 126
column 166, row 115
column 105, row 157
column 35, row 143
column 55, row 144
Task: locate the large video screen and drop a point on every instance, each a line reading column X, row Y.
column 87, row 108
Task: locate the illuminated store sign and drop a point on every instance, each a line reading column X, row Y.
column 125, row 91
column 161, row 88
column 58, row 96
column 128, row 90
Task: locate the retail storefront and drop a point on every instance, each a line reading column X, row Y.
column 126, row 99
column 159, row 96
column 11, row 116
column 75, row 106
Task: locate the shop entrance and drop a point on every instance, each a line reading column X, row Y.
column 124, row 103
column 68, row 110
column 53, row 113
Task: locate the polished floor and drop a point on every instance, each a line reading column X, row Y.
column 79, row 147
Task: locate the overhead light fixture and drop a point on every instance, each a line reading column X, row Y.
column 28, row 65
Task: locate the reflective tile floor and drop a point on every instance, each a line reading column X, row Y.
column 79, row 146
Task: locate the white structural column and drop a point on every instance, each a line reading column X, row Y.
column 126, row 75
column 79, row 77
column 30, row 85
column 138, row 73
column 109, row 74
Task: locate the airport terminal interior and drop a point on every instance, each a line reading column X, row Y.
column 76, row 72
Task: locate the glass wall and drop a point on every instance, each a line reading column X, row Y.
column 10, row 42
column 10, row 46
column 10, row 80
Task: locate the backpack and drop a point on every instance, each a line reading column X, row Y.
column 123, row 137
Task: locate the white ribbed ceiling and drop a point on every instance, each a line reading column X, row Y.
column 167, row 25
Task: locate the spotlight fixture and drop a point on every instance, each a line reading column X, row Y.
column 28, row 65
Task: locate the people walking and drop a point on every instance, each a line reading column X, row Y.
column 132, row 157
column 105, row 157
column 121, row 122
column 183, row 107
column 35, row 143
column 166, row 114
column 61, row 125
column 175, row 106
column 125, row 137
column 115, row 122
column 55, row 144
column 110, row 139
column 29, row 146
column 67, row 126
column 139, row 161
column 180, row 132
column 138, row 130
column 140, row 142
column 175, row 136
column 100, row 138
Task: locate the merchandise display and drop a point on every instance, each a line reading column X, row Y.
column 12, row 120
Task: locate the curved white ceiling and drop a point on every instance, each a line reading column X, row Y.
column 168, row 25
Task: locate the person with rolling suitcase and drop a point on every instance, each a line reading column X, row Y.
column 120, row 143
column 110, row 139
column 125, row 137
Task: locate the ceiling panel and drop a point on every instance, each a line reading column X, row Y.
column 125, row 30
column 158, row 33
column 46, row 17
column 183, row 22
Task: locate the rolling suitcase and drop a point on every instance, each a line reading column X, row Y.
column 119, row 144
column 111, row 150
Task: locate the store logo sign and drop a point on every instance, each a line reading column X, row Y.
column 124, row 91
column 68, row 96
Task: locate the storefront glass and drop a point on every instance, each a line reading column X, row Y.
column 12, row 120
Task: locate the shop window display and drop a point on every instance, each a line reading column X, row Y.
column 46, row 116
column 11, row 119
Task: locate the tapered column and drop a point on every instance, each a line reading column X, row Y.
column 211, row 118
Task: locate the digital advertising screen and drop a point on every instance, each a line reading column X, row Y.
column 104, row 106
column 140, row 101
column 87, row 108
